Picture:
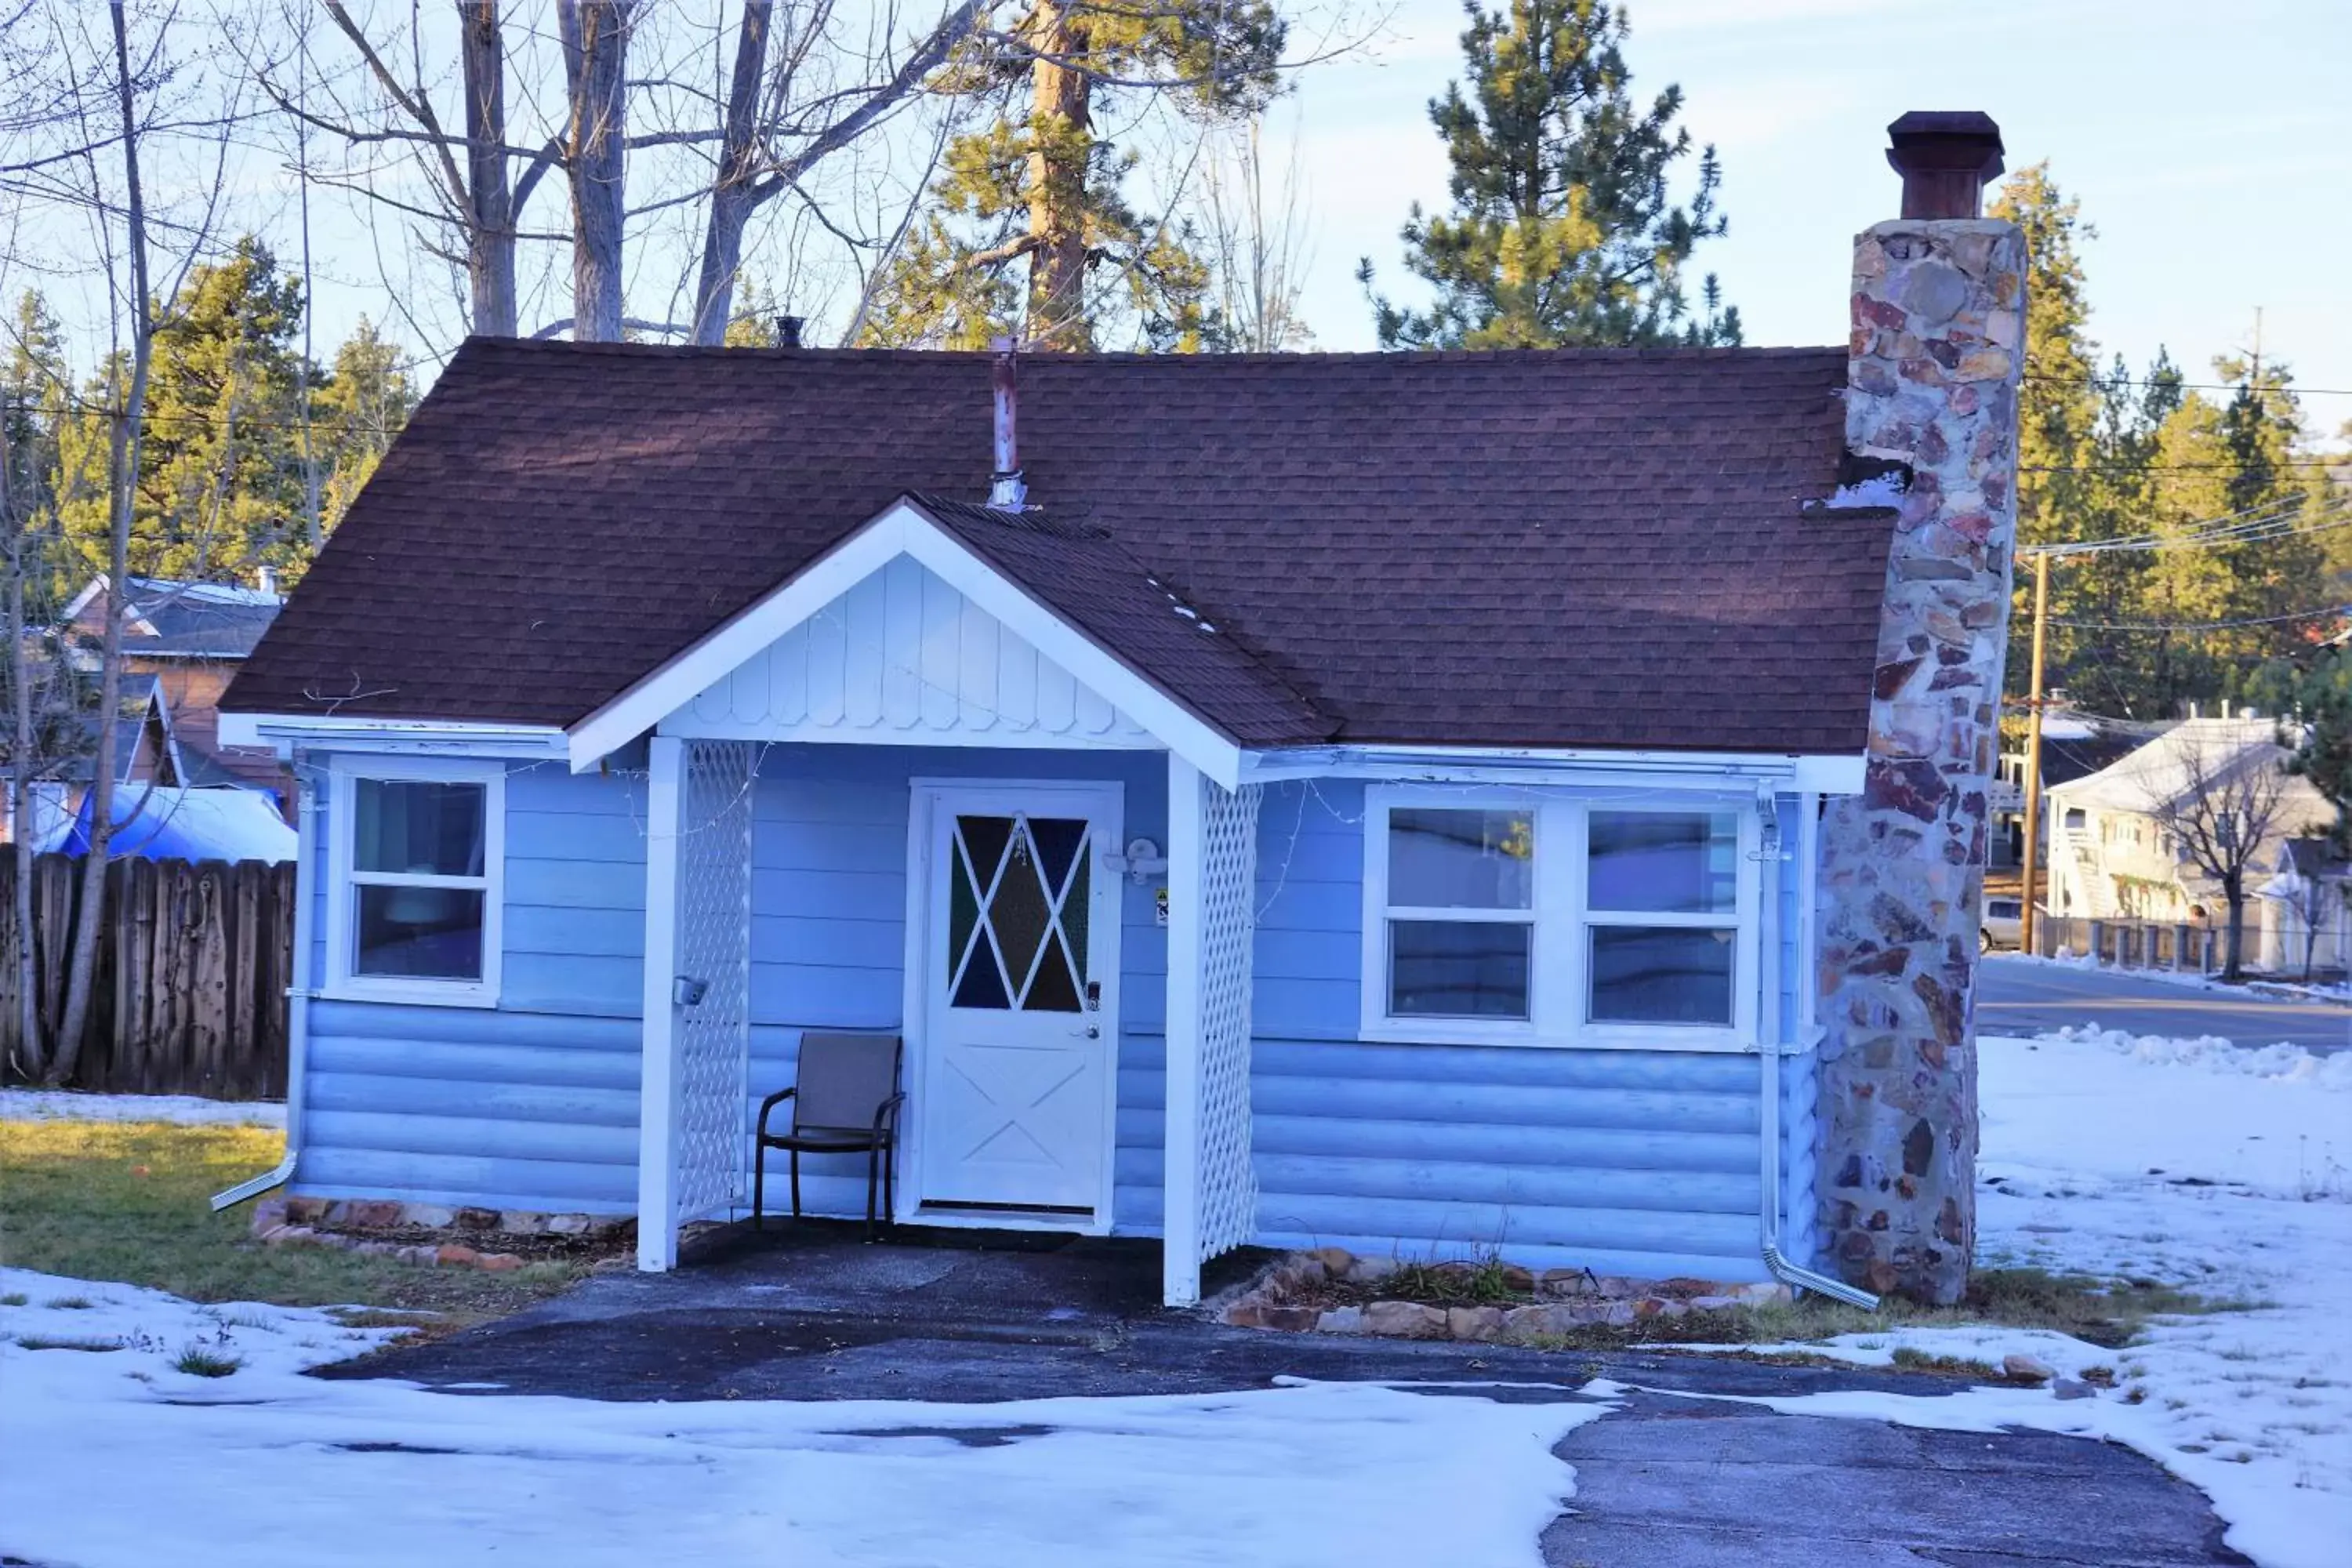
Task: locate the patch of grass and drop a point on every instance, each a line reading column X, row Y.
column 1484, row 1281
column 1908, row 1359
column 127, row 1201
column 68, row 1303
column 198, row 1362
column 44, row 1342
column 14, row 1299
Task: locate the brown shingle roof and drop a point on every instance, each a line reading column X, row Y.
column 1580, row 547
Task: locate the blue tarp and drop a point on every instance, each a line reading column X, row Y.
column 185, row 824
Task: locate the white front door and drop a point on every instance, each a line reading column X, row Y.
column 1017, row 1041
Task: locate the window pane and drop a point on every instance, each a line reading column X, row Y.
column 1458, row 969
column 1461, row 859
column 432, row 932
column 1666, row 861
column 417, row 824
column 1648, row 974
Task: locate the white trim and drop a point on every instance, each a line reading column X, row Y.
column 1104, row 802
column 1523, row 765
column 1560, row 923
column 657, row 1063
column 458, row 736
column 1180, row 1249
column 902, row 529
column 339, row 983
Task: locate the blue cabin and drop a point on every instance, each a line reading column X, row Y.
column 1292, row 800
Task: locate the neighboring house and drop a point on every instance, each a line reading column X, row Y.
column 187, row 640
column 2112, row 855
column 2304, row 911
column 2074, row 744
column 1356, row 798
column 145, row 752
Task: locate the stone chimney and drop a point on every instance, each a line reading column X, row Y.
column 1937, row 339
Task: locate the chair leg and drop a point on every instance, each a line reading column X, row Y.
column 796, row 1184
column 889, row 1156
column 759, row 1187
column 873, row 1176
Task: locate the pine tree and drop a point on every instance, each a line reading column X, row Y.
column 356, row 411
column 1030, row 231
column 219, row 488
column 1562, row 232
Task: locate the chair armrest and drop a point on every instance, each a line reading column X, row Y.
column 888, row 1112
column 771, row 1103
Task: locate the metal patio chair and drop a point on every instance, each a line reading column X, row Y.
column 845, row 1101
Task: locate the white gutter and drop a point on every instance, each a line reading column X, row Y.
column 286, row 732
column 1777, row 1262
column 297, row 997
column 1799, row 772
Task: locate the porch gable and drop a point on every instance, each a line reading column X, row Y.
column 904, row 656
column 895, row 602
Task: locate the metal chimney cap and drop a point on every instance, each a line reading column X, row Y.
column 788, row 330
column 1945, row 157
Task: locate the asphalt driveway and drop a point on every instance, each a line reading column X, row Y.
column 1676, row 1474
column 2022, row 996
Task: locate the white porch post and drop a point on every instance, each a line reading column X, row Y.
column 657, row 1085
column 1181, row 1265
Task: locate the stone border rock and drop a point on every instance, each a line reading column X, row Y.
column 1568, row 1299
column 318, row 1221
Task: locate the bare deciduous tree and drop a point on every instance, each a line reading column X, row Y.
column 2226, row 804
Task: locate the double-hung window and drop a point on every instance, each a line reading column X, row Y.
column 1559, row 919
column 416, row 877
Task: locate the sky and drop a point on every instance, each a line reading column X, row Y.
column 2210, row 145
column 2210, row 148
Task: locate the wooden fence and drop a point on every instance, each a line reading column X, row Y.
column 193, row 959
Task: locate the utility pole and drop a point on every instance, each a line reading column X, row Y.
column 2026, row 921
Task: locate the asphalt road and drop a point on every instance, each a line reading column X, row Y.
column 2018, row 996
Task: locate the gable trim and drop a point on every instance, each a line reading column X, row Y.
column 902, row 529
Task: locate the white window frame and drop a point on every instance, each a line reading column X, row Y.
column 1560, row 957
column 343, row 887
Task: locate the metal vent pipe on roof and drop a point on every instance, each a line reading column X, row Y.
column 787, row 332
column 1006, row 490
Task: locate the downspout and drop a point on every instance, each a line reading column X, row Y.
column 1767, row 1051
column 297, row 992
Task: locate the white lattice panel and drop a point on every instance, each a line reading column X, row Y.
column 1228, row 934
column 714, row 943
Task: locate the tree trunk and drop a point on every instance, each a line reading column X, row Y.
column 32, row 1052
column 595, row 58
column 490, row 222
column 2234, row 964
column 1061, row 129
column 732, row 201
column 122, row 456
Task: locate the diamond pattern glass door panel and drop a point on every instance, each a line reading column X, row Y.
column 1017, row 913
column 1020, row 1056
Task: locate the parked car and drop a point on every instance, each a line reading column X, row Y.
column 2003, row 925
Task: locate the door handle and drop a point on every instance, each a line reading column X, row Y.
column 1091, row 1032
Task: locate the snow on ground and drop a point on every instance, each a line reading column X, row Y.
column 2194, row 979
column 2196, row 1164
column 71, row 1105
column 265, row 1468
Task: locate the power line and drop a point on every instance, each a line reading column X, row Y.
column 2204, row 625
column 2272, row 521
column 2185, row 386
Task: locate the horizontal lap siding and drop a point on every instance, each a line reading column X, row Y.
column 1623, row 1162
column 532, row 1105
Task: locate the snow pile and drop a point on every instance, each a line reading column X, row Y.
column 265, row 1468
column 187, row 1111
column 2101, row 1157
column 2214, row 1054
